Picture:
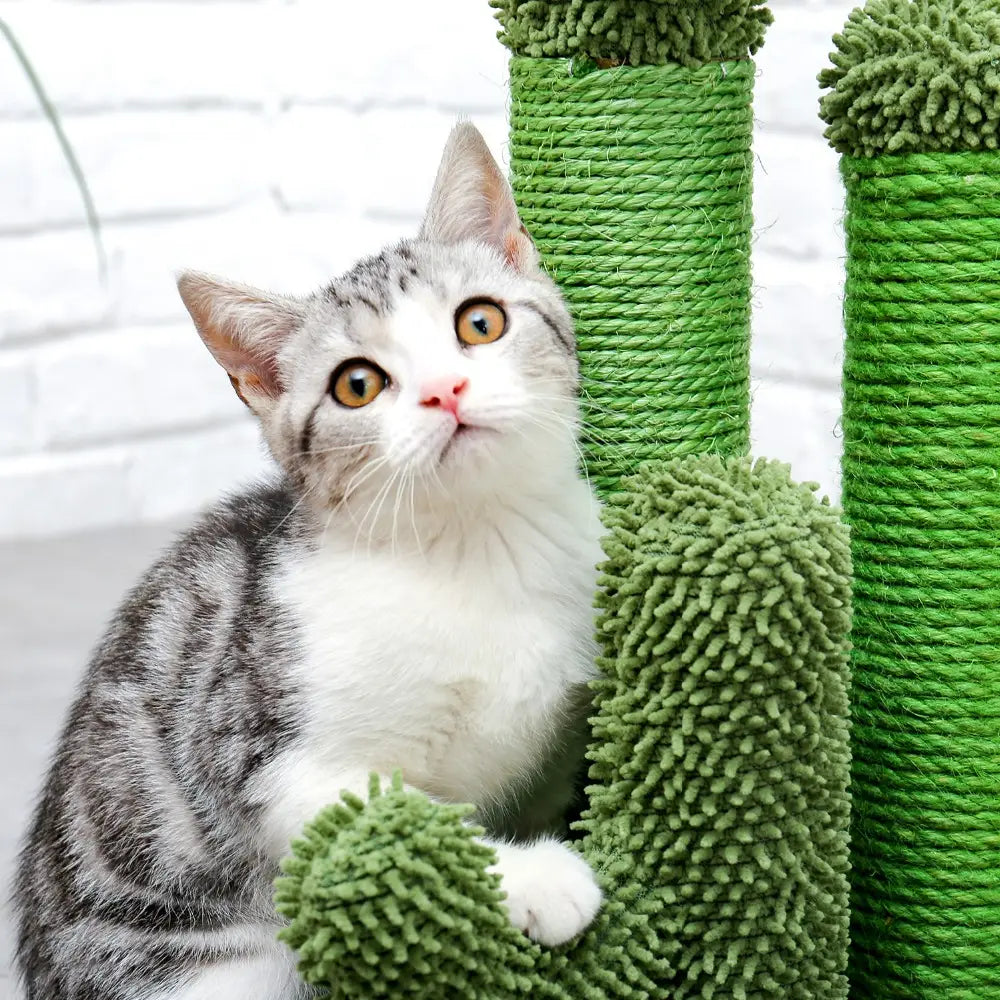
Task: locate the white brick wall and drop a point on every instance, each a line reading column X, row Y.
column 275, row 141
column 798, row 254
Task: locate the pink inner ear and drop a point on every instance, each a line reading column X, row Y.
column 502, row 227
column 262, row 379
column 250, row 371
column 517, row 249
column 243, row 328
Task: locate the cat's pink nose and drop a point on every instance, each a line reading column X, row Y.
column 444, row 392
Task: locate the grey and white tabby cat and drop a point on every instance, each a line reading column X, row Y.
column 415, row 592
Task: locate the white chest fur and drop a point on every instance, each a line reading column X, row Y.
column 454, row 664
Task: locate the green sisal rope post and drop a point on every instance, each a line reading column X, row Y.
column 631, row 129
column 913, row 108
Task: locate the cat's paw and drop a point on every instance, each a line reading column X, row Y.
column 552, row 895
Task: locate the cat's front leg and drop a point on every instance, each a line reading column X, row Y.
column 293, row 790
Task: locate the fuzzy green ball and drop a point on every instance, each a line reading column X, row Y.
column 915, row 76
column 391, row 898
column 634, row 32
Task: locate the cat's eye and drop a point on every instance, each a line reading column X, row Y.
column 480, row 322
column 357, row 382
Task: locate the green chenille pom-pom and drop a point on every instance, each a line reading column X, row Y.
column 915, row 76
column 634, row 32
column 391, row 898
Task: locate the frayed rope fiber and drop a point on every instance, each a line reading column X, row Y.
column 922, row 496
column 634, row 32
column 635, row 184
column 718, row 804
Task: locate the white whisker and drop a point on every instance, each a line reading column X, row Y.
column 378, row 512
column 295, row 506
column 342, row 447
column 363, row 475
column 395, row 509
column 413, row 515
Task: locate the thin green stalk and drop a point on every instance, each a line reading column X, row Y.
column 93, row 221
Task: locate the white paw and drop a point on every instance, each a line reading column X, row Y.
column 552, row 894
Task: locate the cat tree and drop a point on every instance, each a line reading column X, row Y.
column 717, row 804
column 913, row 108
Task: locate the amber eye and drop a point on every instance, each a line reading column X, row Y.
column 480, row 322
column 357, row 382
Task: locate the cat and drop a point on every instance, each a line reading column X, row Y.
column 414, row 592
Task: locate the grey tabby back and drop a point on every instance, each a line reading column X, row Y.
column 138, row 862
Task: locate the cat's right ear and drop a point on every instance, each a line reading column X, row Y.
column 244, row 328
column 472, row 200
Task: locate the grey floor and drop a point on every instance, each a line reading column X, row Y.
column 54, row 599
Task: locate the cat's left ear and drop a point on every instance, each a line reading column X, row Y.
column 244, row 328
column 472, row 200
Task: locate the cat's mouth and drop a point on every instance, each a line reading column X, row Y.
column 463, row 436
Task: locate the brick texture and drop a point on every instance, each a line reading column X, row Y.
column 275, row 141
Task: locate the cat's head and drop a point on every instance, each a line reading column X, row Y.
column 444, row 366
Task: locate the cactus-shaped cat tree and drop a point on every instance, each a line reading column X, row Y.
column 717, row 805
column 915, row 110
